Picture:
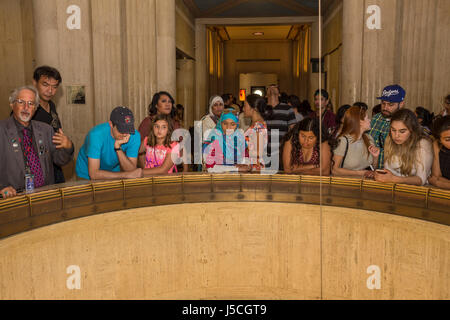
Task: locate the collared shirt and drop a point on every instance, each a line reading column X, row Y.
column 51, row 118
column 379, row 131
column 20, row 128
column 283, row 117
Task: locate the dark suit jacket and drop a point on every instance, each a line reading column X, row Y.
column 12, row 163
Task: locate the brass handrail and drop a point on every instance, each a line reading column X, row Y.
column 427, row 192
column 434, row 200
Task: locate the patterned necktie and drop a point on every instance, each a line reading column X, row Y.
column 32, row 159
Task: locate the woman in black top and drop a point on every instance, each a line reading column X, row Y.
column 440, row 173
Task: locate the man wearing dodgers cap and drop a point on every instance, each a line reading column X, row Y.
column 392, row 99
column 110, row 150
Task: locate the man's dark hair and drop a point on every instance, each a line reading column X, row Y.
column 305, row 108
column 425, row 115
column 48, row 72
column 226, row 97
column 376, row 109
column 295, row 102
column 322, row 92
column 284, row 98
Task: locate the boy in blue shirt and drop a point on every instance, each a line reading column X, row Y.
column 110, row 150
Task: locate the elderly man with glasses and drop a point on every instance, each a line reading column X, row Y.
column 28, row 146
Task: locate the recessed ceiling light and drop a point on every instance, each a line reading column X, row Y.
column 259, row 33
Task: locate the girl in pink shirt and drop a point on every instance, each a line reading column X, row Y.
column 155, row 154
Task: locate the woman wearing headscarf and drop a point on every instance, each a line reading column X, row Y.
column 224, row 149
column 210, row 120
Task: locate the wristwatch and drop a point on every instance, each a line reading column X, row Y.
column 117, row 149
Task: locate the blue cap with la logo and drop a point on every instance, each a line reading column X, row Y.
column 393, row 93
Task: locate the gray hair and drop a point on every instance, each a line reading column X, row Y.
column 15, row 93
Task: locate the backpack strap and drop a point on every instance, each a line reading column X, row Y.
column 345, row 154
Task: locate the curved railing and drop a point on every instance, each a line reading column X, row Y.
column 64, row 202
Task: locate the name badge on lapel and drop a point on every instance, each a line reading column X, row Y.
column 41, row 147
column 15, row 145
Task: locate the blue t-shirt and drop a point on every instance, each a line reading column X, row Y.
column 99, row 144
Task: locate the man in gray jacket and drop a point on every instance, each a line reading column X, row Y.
column 29, row 146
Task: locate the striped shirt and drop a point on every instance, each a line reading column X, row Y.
column 380, row 130
column 283, row 117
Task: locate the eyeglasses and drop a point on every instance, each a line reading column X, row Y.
column 23, row 103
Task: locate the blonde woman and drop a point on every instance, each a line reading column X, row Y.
column 408, row 152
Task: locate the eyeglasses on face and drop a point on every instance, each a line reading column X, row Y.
column 23, row 103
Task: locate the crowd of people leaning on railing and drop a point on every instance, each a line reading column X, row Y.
column 275, row 133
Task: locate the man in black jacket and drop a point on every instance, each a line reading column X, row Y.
column 47, row 80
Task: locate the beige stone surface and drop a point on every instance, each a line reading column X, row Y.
column 229, row 250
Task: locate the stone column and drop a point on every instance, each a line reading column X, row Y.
column 45, row 16
column 166, row 46
column 69, row 51
column 352, row 54
column 201, row 99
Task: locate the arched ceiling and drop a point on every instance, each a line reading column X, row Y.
column 254, row 8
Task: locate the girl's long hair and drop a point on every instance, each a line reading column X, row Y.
column 351, row 125
column 307, row 124
column 151, row 141
column 407, row 151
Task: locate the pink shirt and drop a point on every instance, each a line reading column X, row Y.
column 155, row 156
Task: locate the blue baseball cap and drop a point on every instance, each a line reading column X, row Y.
column 393, row 93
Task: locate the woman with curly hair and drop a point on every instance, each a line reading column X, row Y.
column 408, row 153
column 304, row 152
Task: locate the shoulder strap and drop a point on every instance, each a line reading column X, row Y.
column 345, row 154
